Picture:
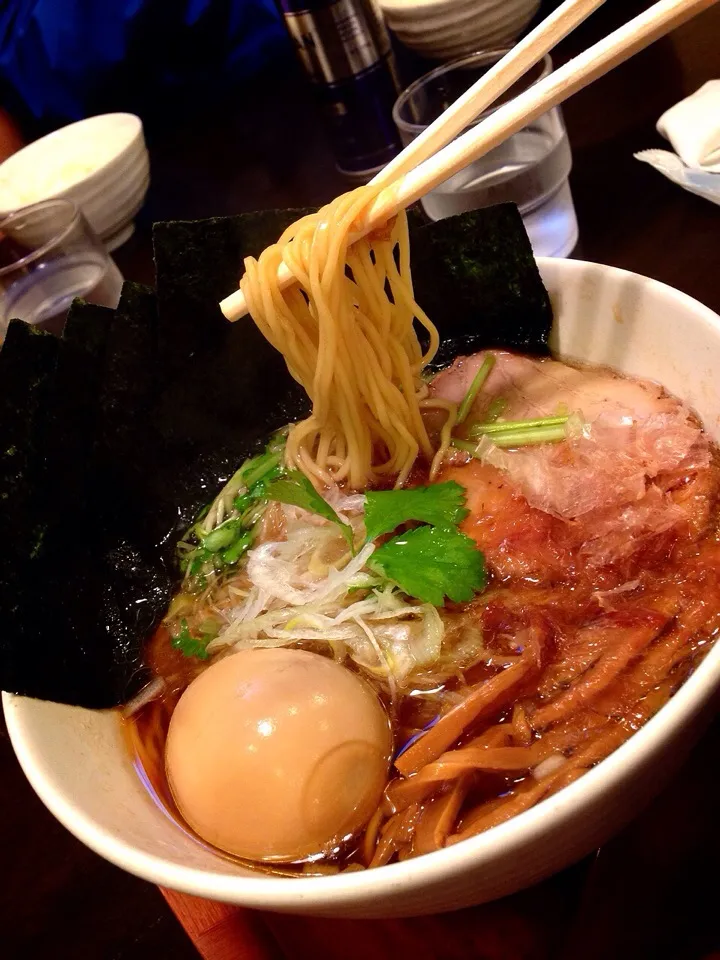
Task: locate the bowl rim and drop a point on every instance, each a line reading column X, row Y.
column 330, row 892
column 461, row 17
column 135, row 142
column 484, row 9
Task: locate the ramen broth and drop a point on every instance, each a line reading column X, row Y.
column 577, row 640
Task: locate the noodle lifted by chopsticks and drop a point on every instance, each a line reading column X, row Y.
column 346, row 330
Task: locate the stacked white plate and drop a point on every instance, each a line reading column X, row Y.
column 445, row 29
column 100, row 163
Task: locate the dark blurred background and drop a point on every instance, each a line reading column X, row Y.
column 166, row 60
column 217, row 82
column 61, row 60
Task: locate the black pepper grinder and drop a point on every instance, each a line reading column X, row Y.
column 345, row 50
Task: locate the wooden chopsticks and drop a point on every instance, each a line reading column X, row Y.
column 411, row 179
column 485, row 91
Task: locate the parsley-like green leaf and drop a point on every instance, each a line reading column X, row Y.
column 432, row 563
column 189, row 645
column 441, row 504
column 295, row 488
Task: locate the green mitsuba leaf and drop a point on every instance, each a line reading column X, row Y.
column 432, row 563
column 295, row 488
column 441, row 504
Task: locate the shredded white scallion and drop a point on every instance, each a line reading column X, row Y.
column 383, row 659
column 309, row 588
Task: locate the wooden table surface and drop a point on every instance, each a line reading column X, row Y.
column 651, row 892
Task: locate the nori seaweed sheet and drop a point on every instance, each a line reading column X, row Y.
column 112, row 438
column 479, row 284
column 27, row 365
column 225, row 388
column 51, row 598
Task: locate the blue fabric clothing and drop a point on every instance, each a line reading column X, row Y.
column 65, row 59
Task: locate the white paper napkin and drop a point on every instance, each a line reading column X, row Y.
column 693, row 128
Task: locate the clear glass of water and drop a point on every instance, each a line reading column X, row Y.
column 48, row 256
column 530, row 169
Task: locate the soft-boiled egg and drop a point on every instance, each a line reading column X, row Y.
column 277, row 755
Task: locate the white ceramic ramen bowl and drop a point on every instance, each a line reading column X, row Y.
column 78, row 764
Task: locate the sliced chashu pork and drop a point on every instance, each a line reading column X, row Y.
column 637, row 475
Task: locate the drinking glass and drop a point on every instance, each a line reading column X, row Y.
column 48, row 256
column 530, row 169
